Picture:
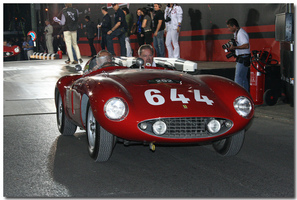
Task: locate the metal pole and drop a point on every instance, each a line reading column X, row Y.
column 33, row 18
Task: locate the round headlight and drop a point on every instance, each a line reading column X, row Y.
column 17, row 49
column 159, row 127
column 243, row 106
column 214, row 126
column 115, row 109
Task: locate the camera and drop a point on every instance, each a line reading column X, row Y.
column 168, row 19
column 149, row 8
column 227, row 46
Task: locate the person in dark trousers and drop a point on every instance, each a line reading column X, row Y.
column 139, row 29
column 91, row 32
column 158, row 30
column 105, row 26
column 119, row 30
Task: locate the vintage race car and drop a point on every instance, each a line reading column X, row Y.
column 155, row 105
column 11, row 51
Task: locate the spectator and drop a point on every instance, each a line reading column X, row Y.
column 91, row 32
column 105, row 26
column 158, row 30
column 118, row 30
column 129, row 21
column 69, row 21
column 29, row 47
column 48, row 32
column 242, row 52
column 24, row 47
column 173, row 18
column 147, row 26
column 139, row 29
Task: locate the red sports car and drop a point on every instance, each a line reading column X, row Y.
column 11, row 51
column 153, row 106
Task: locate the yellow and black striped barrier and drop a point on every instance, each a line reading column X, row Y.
column 44, row 56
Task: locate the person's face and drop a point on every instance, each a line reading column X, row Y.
column 46, row 23
column 231, row 28
column 147, row 56
column 138, row 12
column 156, row 7
column 115, row 7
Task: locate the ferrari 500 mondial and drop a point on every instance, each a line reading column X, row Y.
column 155, row 105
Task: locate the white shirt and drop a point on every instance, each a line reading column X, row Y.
column 176, row 15
column 241, row 37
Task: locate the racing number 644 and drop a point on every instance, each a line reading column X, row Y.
column 154, row 97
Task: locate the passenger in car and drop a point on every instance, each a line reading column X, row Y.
column 102, row 59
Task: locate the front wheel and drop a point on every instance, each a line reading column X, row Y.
column 230, row 146
column 64, row 125
column 100, row 141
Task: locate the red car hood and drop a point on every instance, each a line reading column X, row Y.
column 169, row 94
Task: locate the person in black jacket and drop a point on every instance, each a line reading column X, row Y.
column 119, row 30
column 105, row 26
column 91, row 32
column 69, row 21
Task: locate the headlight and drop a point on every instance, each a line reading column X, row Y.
column 115, row 109
column 17, row 49
column 214, row 126
column 159, row 127
column 243, row 106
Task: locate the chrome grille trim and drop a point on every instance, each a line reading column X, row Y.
column 185, row 127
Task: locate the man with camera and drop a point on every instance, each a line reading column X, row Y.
column 242, row 52
column 173, row 18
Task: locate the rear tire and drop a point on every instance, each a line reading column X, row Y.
column 64, row 125
column 230, row 146
column 100, row 141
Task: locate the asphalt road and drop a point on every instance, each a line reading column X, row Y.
column 39, row 162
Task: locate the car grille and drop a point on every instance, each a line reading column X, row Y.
column 185, row 127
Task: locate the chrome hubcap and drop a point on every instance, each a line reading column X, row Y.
column 91, row 129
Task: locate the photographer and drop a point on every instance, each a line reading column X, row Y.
column 173, row 18
column 242, row 52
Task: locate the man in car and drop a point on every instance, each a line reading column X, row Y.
column 146, row 52
column 102, row 59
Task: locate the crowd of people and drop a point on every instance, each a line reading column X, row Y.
column 151, row 27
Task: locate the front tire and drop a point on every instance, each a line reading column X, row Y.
column 100, row 141
column 230, row 146
column 64, row 125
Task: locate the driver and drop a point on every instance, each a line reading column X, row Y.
column 146, row 52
